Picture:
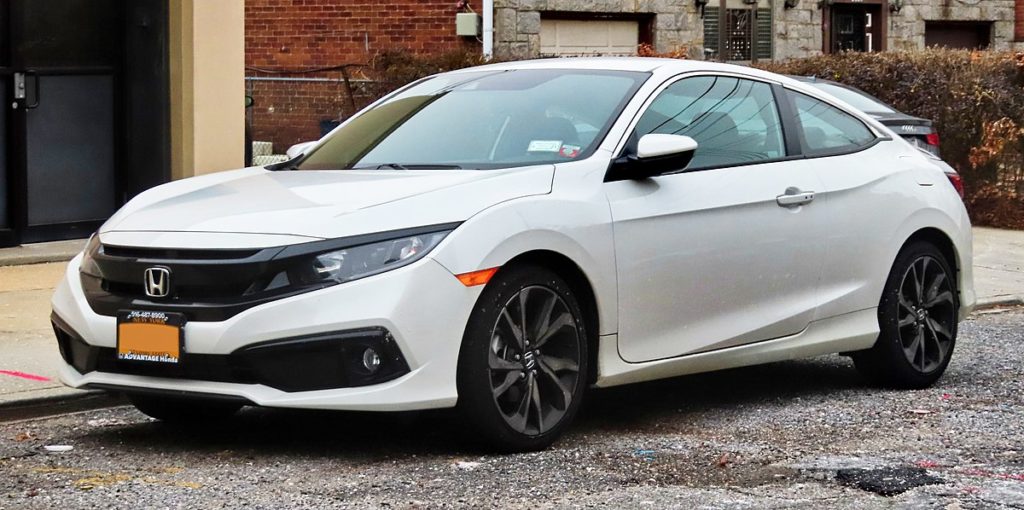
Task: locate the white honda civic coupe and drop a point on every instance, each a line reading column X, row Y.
column 498, row 239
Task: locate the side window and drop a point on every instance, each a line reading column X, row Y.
column 825, row 128
column 734, row 121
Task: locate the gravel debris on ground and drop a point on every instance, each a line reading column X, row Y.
column 773, row 436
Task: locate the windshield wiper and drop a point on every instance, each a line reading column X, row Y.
column 402, row 166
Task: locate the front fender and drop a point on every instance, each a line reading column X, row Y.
column 580, row 230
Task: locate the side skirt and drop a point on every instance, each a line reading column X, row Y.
column 843, row 333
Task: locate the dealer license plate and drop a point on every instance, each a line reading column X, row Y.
column 150, row 337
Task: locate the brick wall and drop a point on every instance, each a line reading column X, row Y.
column 303, row 34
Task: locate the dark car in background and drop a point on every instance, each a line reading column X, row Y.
column 915, row 130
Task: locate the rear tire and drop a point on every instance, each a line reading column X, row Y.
column 183, row 410
column 520, row 388
column 917, row 319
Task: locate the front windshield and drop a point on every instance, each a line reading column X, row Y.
column 482, row 120
column 860, row 101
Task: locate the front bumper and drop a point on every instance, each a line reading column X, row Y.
column 422, row 306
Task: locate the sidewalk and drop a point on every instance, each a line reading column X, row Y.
column 29, row 357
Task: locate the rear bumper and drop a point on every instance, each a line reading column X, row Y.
column 422, row 307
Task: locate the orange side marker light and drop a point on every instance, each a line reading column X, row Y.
column 477, row 277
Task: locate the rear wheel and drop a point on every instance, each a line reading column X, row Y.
column 523, row 364
column 917, row 320
column 183, row 410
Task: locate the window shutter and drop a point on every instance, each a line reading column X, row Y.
column 764, row 35
column 711, row 16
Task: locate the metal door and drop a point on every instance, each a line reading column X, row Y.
column 60, row 89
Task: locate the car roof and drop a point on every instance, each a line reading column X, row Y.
column 636, row 64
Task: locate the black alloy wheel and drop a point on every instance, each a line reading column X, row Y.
column 917, row 316
column 523, row 365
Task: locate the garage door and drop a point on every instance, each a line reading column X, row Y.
column 589, row 37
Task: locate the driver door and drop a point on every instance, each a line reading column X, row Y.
column 709, row 257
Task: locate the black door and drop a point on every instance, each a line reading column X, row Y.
column 77, row 77
column 856, row 27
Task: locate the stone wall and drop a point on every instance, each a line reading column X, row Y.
column 798, row 31
column 906, row 29
column 517, row 22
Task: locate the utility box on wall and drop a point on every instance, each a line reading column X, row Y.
column 467, row 24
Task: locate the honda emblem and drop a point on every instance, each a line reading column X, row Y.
column 157, row 281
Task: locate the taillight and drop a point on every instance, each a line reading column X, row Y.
column 957, row 182
column 932, row 139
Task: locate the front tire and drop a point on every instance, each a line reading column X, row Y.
column 523, row 363
column 183, row 410
column 917, row 319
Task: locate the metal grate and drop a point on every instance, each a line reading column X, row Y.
column 739, row 34
column 763, row 38
column 747, row 34
column 711, row 20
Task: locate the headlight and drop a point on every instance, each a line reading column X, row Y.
column 369, row 259
column 88, row 264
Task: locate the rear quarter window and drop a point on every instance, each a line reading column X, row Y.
column 825, row 129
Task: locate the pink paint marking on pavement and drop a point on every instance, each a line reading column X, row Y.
column 23, row 375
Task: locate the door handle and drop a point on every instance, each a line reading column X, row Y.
column 20, row 89
column 794, row 197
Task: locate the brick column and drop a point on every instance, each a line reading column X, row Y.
column 1018, row 26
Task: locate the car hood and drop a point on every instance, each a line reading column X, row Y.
column 324, row 204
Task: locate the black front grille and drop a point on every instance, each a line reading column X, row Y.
column 308, row 363
column 175, row 254
column 205, row 285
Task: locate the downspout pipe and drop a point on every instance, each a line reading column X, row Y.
column 488, row 41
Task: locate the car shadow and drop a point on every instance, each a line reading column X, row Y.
column 635, row 405
column 261, row 432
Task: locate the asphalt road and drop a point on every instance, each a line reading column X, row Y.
column 804, row 434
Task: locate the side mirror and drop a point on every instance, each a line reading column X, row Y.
column 299, row 149
column 656, row 154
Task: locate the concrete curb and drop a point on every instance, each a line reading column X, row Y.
column 19, row 260
column 999, row 302
column 41, row 253
column 37, row 407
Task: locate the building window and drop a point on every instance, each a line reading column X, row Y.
column 967, row 35
column 738, row 30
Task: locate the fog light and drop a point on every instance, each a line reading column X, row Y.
column 371, row 360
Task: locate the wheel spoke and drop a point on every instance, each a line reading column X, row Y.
column 545, row 316
column 940, row 346
column 498, row 363
column 917, row 283
column 535, row 399
column 933, row 289
column 907, row 321
column 522, row 415
column 523, row 325
column 911, row 350
column 516, row 332
column 938, row 328
column 945, row 297
column 921, row 349
column 563, row 393
column 562, row 321
column 510, row 380
column 560, row 364
column 907, row 306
